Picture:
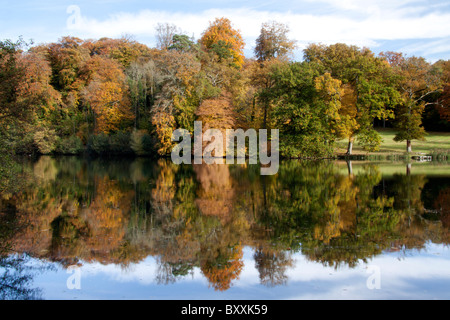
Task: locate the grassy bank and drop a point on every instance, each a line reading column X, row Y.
column 435, row 143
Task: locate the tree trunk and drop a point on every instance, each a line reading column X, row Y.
column 408, row 146
column 350, row 147
column 350, row 168
column 265, row 115
column 252, row 118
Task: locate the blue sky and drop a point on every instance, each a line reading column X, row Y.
column 414, row 27
column 414, row 274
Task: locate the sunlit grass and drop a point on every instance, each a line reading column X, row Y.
column 390, row 168
column 434, row 143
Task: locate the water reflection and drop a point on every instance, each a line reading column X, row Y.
column 202, row 217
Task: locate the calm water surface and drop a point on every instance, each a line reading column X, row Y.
column 145, row 229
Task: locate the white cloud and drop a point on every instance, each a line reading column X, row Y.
column 428, row 48
column 386, row 21
column 409, row 275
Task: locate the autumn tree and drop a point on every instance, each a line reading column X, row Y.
column 176, row 100
column 417, row 80
column 37, row 85
column 273, row 47
column 12, row 75
column 262, row 81
column 124, row 50
column 224, row 40
column 107, row 94
column 273, row 42
column 369, row 78
column 31, row 102
column 330, row 92
column 217, row 113
column 66, row 58
column 347, row 125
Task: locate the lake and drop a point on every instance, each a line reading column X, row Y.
column 100, row 229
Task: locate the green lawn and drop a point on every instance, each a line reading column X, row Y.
column 434, row 142
column 390, row 168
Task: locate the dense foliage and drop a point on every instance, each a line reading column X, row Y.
column 117, row 96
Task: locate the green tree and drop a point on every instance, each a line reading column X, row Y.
column 182, row 42
column 409, row 123
column 300, row 111
column 371, row 80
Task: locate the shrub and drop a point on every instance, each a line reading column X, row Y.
column 305, row 147
column 45, row 140
column 98, row 144
column 119, row 144
column 149, row 144
column 142, row 143
column 24, row 144
column 370, row 140
column 70, row 146
column 115, row 144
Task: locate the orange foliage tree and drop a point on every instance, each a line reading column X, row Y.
column 107, row 94
column 217, row 113
column 226, row 41
column 124, row 50
column 36, row 88
column 273, row 42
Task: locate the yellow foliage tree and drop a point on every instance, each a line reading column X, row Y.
column 225, row 40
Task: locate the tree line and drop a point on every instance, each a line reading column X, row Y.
column 118, row 96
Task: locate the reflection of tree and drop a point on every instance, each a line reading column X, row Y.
column 215, row 197
column 223, row 266
column 413, row 231
column 107, row 218
column 74, row 216
column 16, row 277
column 68, row 238
column 203, row 216
column 442, row 204
column 408, row 191
column 172, row 235
column 370, row 219
column 168, row 272
column 272, row 265
column 333, row 218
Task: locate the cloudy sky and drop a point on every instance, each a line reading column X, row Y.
column 415, row 274
column 414, row 27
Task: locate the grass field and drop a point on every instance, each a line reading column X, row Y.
column 435, row 143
